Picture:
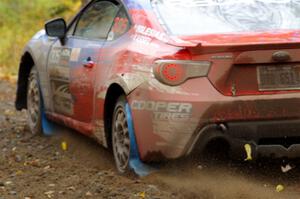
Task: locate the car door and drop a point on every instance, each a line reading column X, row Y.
column 73, row 66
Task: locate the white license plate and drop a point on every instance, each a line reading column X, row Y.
column 278, row 77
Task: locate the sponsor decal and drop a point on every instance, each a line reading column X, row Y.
column 171, row 116
column 66, row 52
column 62, row 98
column 145, row 35
column 59, row 73
column 149, row 32
column 54, row 56
column 172, row 121
column 60, row 56
column 75, row 54
column 65, row 57
column 172, row 111
column 143, row 39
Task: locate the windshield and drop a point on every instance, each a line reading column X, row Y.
column 192, row 17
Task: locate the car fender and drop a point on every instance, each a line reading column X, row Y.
column 38, row 48
column 127, row 81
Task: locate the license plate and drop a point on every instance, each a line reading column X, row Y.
column 274, row 78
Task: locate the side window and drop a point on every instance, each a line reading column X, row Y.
column 97, row 20
column 120, row 25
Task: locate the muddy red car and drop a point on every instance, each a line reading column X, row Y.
column 166, row 78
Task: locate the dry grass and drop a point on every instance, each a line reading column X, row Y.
column 20, row 20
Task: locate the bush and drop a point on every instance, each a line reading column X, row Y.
column 21, row 19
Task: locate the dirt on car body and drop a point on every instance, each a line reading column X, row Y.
column 37, row 167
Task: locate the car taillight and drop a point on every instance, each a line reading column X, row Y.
column 176, row 72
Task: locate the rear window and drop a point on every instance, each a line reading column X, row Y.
column 193, row 17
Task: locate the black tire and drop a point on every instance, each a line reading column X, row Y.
column 120, row 136
column 34, row 103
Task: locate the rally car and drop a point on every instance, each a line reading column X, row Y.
column 170, row 77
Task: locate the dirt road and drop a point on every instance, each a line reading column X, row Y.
column 35, row 167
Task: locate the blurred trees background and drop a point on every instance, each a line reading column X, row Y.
column 21, row 19
column 84, row 2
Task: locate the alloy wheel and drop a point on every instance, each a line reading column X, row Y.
column 121, row 140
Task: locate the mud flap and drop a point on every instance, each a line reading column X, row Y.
column 135, row 163
column 48, row 127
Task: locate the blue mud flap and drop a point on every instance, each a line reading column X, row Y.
column 48, row 127
column 135, row 163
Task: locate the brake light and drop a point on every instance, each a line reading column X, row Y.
column 176, row 72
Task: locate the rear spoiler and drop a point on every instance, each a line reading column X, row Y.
column 207, row 49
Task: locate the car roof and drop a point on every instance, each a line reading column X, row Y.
column 137, row 4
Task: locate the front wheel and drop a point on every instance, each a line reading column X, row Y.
column 34, row 102
column 120, row 136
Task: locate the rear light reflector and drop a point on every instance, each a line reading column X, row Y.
column 176, row 72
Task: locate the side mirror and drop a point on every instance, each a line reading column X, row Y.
column 56, row 28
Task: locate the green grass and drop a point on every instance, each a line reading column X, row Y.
column 20, row 20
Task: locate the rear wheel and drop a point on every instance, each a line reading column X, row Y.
column 34, row 112
column 120, row 136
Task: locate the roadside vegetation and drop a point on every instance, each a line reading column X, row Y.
column 20, row 20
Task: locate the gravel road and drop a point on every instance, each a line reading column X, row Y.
column 35, row 167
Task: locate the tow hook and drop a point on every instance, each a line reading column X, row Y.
column 223, row 127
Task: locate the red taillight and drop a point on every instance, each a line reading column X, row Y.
column 176, row 72
column 173, row 72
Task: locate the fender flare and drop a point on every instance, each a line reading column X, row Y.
column 127, row 81
column 26, row 63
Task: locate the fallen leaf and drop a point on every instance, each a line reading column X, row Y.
column 248, row 150
column 279, row 188
column 64, row 146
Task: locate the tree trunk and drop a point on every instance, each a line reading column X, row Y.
column 84, row 2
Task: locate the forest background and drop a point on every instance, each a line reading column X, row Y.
column 21, row 19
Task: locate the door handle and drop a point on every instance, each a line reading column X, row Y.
column 88, row 63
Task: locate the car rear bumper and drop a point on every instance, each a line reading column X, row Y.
column 165, row 128
column 274, row 139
